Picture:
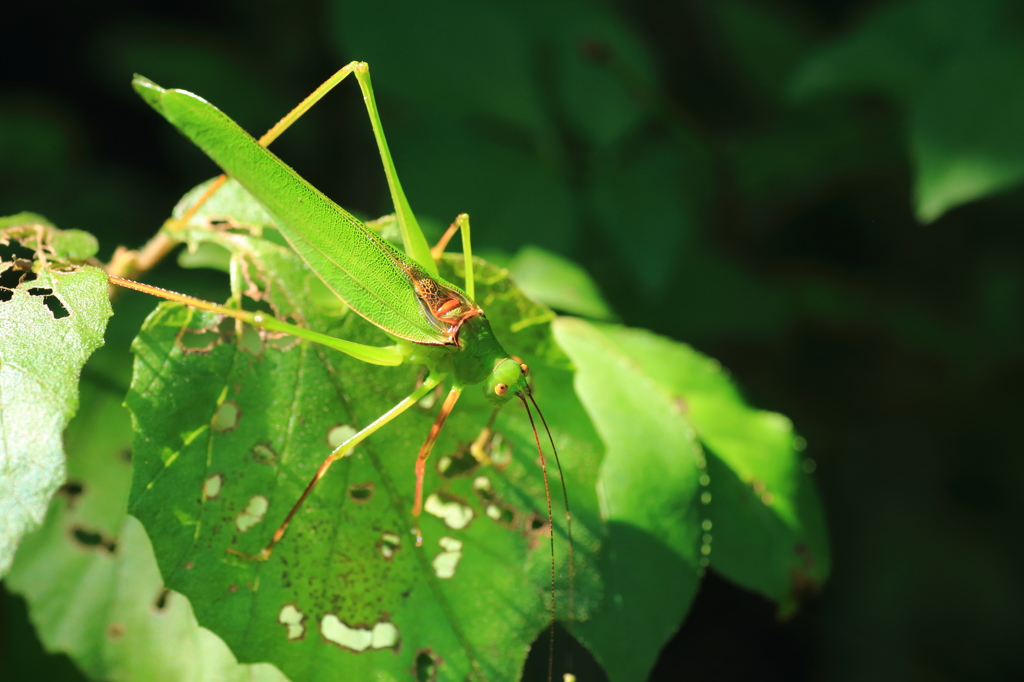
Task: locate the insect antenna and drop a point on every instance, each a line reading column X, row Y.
column 568, row 522
column 551, row 535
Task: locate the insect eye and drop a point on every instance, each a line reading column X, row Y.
column 501, row 389
column 526, row 369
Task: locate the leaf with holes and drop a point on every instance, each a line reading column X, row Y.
column 230, row 426
column 89, row 576
column 231, row 423
column 51, row 320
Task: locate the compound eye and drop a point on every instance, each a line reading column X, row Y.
column 526, row 369
column 501, row 389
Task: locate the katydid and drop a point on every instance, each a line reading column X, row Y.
column 433, row 322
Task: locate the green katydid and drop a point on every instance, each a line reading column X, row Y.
column 433, row 322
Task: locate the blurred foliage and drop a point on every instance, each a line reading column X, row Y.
column 751, row 177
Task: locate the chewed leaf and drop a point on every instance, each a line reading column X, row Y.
column 90, row 578
column 226, row 440
column 51, row 322
column 37, row 233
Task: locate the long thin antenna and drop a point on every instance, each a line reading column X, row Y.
column 568, row 524
column 551, row 538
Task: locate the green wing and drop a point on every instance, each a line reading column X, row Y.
column 368, row 274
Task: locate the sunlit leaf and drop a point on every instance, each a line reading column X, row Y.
column 50, row 322
column 558, row 282
column 89, row 576
column 765, row 529
column 684, row 454
column 230, row 426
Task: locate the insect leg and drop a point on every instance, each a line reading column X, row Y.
column 461, row 221
column 412, row 237
column 428, row 445
column 339, row 452
column 272, row 134
column 374, row 355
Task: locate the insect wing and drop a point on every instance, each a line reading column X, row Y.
column 371, row 276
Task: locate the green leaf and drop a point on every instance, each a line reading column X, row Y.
column 966, row 138
column 956, row 74
column 600, row 64
column 36, row 232
column 558, row 282
column 650, row 490
column 471, row 120
column 231, row 424
column 683, row 455
column 765, row 529
column 230, row 428
column 497, row 82
column 91, row 580
column 650, row 200
column 767, row 45
column 50, row 322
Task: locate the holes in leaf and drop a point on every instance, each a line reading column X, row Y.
column 502, row 514
column 212, row 486
column 281, row 341
column 425, row 665
column 15, row 268
column 226, row 329
column 291, row 617
column 160, row 603
column 51, row 301
column 5, row 295
column 361, row 492
column 462, row 463
column 71, row 490
column 252, row 514
column 227, row 417
column 389, row 544
column 92, row 540
column 492, row 449
column 251, row 342
column 495, row 509
column 446, row 562
column 536, row 529
column 383, row 635
column 339, row 433
column 199, row 340
column 455, row 513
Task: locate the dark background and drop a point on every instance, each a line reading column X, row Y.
column 773, row 231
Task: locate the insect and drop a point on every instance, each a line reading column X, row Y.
column 433, row 322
